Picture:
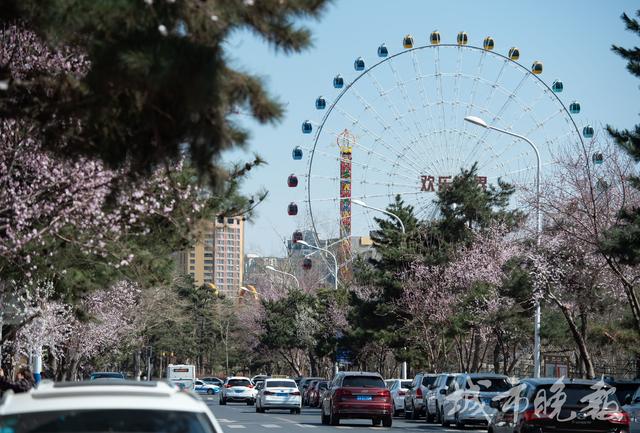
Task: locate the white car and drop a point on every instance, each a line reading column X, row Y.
column 468, row 398
column 206, row 388
column 398, row 389
column 436, row 396
column 279, row 394
column 116, row 406
column 238, row 389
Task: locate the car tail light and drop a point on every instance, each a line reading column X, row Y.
column 269, row 393
column 343, row 394
column 249, row 386
column 533, row 415
column 385, row 394
column 401, row 393
column 295, row 393
column 618, row 417
column 419, row 393
column 227, row 386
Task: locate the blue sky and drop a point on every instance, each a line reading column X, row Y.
column 572, row 38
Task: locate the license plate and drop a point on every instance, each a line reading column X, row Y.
column 238, row 390
column 363, row 397
column 281, row 394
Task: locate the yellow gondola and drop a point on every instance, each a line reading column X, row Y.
column 536, row 68
column 407, row 42
column 488, row 43
column 435, row 38
column 514, row 53
column 463, row 38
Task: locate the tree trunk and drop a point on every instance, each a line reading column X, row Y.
column 313, row 363
column 577, row 337
column 629, row 290
column 496, row 358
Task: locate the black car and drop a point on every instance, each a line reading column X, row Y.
column 625, row 389
column 559, row 405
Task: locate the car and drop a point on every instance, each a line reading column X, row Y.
column 315, row 394
column 213, row 381
column 206, row 388
column 435, row 397
column 625, row 389
column 108, row 405
column 278, row 394
column 305, row 381
column 107, row 375
column 585, row 406
column 414, row 398
column 468, row 398
column 257, row 378
column 398, row 388
column 237, row 389
column 360, row 395
column 632, row 407
column 309, row 386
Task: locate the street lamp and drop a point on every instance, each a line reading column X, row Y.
column 480, row 122
column 335, row 260
column 272, row 269
column 363, row 204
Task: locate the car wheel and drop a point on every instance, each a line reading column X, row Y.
column 209, row 391
column 394, row 411
column 376, row 421
column 387, row 421
column 429, row 417
column 407, row 412
column 445, row 423
column 250, row 402
column 438, row 419
column 415, row 414
column 223, row 401
column 298, row 411
column 333, row 418
column 459, row 424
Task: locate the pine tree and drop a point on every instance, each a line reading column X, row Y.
column 157, row 77
column 623, row 242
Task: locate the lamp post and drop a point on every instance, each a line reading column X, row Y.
column 272, row 269
column 335, row 260
column 480, row 122
column 363, row 204
column 391, row 214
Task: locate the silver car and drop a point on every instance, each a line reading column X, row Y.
column 633, row 409
column 398, row 389
column 278, row 394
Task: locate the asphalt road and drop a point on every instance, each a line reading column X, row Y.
column 236, row 417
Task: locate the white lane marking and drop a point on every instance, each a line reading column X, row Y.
column 285, row 419
column 344, row 427
column 270, row 425
column 235, row 426
column 306, row 425
column 225, row 420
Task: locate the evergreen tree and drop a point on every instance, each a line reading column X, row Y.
column 623, row 242
column 156, row 76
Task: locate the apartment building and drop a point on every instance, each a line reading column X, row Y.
column 218, row 254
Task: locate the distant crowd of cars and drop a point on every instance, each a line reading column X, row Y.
column 109, row 402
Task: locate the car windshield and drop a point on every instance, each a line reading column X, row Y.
column 405, row 384
column 239, row 382
column 107, row 376
column 450, row 379
column 428, row 380
column 116, row 421
column 363, row 382
column 489, row 384
column 323, row 385
column 280, row 384
column 625, row 389
column 576, row 395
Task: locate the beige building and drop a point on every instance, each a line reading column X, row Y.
column 218, row 255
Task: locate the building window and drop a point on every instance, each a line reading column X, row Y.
column 208, row 255
column 208, row 268
column 192, row 261
column 192, row 268
column 220, row 219
column 230, row 220
column 208, row 261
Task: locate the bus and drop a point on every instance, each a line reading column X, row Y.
column 183, row 375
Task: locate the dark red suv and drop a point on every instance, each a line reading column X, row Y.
column 354, row 394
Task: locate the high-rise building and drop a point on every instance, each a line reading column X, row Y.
column 218, row 254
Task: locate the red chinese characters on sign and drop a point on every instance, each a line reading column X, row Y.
column 428, row 183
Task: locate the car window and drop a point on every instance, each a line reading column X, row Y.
column 323, row 385
column 199, row 382
column 363, row 381
column 280, row 384
column 574, row 394
column 405, row 384
column 107, row 376
column 103, row 420
column 625, row 389
column 239, row 382
column 449, row 380
column 489, row 384
column 428, row 380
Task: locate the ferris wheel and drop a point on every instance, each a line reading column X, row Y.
column 396, row 128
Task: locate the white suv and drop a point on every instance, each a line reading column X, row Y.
column 238, row 389
column 113, row 406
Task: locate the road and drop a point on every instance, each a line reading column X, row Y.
column 240, row 418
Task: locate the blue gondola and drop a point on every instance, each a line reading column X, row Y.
column 338, row 81
column 597, row 158
column 292, row 209
column 488, row 43
column 292, row 181
column 407, row 42
column 321, row 103
column 435, row 38
column 514, row 53
column 574, row 107
column 587, row 131
column 557, row 86
column 383, row 51
column 296, row 153
column 358, row 64
column 306, row 127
